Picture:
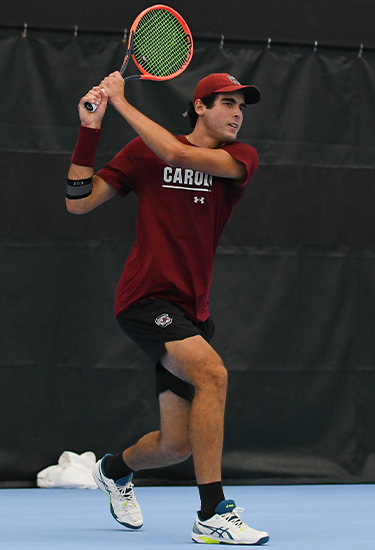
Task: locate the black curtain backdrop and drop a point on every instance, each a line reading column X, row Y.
column 293, row 289
column 330, row 23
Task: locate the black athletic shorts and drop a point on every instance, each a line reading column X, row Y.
column 152, row 323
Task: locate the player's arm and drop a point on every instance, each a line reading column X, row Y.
column 101, row 192
column 86, row 191
column 217, row 162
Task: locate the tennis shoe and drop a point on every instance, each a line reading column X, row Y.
column 123, row 504
column 226, row 527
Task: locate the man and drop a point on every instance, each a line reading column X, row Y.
column 187, row 189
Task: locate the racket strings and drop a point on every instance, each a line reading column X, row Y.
column 161, row 45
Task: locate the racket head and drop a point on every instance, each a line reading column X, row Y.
column 160, row 43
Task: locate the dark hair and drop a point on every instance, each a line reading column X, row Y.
column 208, row 101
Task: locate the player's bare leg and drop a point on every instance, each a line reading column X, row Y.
column 167, row 446
column 164, row 447
column 195, row 361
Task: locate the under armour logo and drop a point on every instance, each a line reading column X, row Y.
column 199, row 199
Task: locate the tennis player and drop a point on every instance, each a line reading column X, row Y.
column 187, row 188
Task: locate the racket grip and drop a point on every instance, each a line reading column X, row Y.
column 91, row 107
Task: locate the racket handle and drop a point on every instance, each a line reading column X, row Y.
column 91, row 107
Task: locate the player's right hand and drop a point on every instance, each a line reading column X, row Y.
column 97, row 97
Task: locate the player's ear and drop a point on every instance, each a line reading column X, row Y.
column 199, row 106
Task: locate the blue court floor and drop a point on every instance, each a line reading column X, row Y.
column 311, row 517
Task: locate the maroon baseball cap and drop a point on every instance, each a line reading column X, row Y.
column 223, row 82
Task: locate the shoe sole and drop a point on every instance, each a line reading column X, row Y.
column 128, row 525
column 205, row 539
column 96, row 474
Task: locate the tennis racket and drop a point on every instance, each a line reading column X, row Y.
column 160, row 43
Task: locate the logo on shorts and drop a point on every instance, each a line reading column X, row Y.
column 163, row 320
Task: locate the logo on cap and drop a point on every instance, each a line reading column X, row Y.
column 234, row 80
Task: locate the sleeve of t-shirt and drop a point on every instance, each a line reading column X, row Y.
column 123, row 170
column 247, row 155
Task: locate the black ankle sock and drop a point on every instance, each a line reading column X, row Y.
column 211, row 495
column 115, row 467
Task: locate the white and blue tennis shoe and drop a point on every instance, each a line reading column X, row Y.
column 226, row 527
column 124, row 506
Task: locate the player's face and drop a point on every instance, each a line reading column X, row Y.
column 224, row 119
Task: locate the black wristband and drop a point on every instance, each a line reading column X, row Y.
column 78, row 189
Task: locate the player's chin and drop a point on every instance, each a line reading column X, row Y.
column 232, row 133
column 231, row 136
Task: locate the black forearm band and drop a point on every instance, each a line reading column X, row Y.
column 78, row 189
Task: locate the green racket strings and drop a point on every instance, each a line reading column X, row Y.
column 161, row 46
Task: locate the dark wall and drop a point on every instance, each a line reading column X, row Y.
column 295, row 265
column 333, row 23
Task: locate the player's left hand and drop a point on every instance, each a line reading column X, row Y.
column 114, row 87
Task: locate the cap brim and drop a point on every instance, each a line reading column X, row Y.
column 251, row 93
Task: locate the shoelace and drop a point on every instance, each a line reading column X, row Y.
column 126, row 491
column 234, row 517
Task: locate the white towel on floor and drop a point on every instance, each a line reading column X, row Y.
column 73, row 471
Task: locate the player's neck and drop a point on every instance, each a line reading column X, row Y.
column 202, row 139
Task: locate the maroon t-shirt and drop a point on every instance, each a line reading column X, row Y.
column 181, row 215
